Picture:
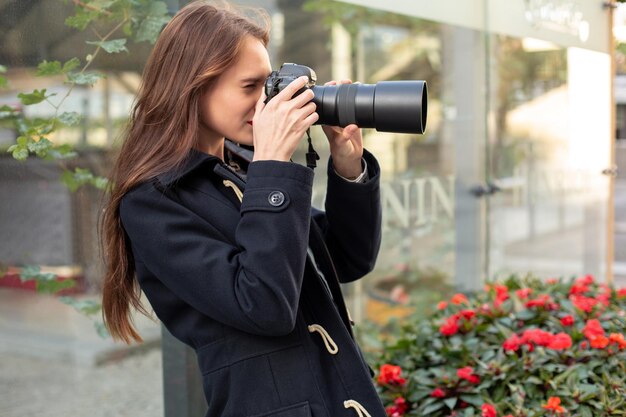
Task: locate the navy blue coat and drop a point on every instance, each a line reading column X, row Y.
column 234, row 281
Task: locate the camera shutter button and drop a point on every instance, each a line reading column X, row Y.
column 276, row 198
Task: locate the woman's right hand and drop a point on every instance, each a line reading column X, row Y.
column 279, row 125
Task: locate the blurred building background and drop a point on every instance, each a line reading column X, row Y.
column 516, row 172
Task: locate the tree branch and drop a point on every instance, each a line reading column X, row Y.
column 91, row 7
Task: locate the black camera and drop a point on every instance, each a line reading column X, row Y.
column 387, row 106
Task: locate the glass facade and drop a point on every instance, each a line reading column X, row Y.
column 506, row 179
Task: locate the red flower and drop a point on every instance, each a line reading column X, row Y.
column 593, row 329
column 618, row 338
column 399, row 408
column 513, row 343
column 438, row 393
column 560, row 341
column 578, row 289
column 567, row 321
column 554, row 404
column 442, row 305
column 621, row 293
column 467, row 373
column 467, row 314
column 599, row 342
column 523, row 293
column 390, row 375
column 488, row 410
column 450, row 327
column 459, row 299
column 538, row 337
column 586, row 280
column 583, row 303
column 542, row 300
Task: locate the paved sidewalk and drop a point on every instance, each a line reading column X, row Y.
column 32, row 387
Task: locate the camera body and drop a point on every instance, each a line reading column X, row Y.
column 288, row 72
column 387, row 106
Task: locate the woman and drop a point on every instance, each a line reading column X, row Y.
column 234, row 261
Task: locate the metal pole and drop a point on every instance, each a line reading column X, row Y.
column 182, row 383
column 610, row 229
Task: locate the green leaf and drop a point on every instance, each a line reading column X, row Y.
column 432, row 408
column 3, row 69
column 82, row 18
column 100, row 183
column 47, row 68
column 20, row 154
column 84, row 78
column 585, row 411
column 473, row 400
column 70, row 118
column 7, row 112
column 112, row 46
column 67, row 178
column 33, row 272
column 86, row 307
column 151, row 25
column 54, row 286
column 101, row 329
column 80, row 176
column 3, row 82
column 64, row 151
column 37, row 96
column 450, row 402
column 526, row 315
column 70, row 65
column 40, row 147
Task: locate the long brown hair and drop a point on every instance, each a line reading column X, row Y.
column 195, row 47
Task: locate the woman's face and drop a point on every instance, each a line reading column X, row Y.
column 227, row 107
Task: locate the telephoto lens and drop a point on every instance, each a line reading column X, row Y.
column 387, row 106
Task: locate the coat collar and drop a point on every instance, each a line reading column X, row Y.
column 194, row 160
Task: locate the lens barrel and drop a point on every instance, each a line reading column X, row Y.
column 387, row 106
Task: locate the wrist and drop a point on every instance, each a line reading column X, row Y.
column 349, row 170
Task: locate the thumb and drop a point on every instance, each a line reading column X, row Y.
column 350, row 130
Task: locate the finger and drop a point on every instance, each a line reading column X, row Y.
column 331, row 83
column 346, row 81
column 301, row 99
column 306, row 110
column 350, row 130
column 292, row 88
column 311, row 119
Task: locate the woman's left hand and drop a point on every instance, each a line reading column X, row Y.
column 346, row 145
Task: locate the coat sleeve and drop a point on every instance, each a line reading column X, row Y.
column 254, row 284
column 352, row 221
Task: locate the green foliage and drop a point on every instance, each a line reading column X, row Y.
column 3, row 81
column 45, row 282
column 79, row 177
column 524, row 348
column 141, row 20
column 84, row 78
column 70, row 118
column 37, row 96
column 354, row 17
column 112, row 46
column 46, row 68
column 149, row 20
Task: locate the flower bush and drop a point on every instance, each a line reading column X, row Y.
column 522, row 348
